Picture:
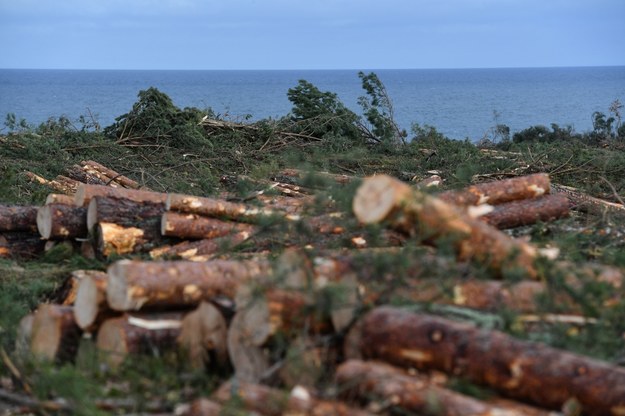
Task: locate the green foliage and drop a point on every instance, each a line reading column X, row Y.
column 542, row 134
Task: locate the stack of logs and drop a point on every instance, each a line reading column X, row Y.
column 293, row 320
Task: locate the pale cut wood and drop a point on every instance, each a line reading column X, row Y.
column 60, row 199
column 24, row 334
column 220, row 208
column 58, row 221
column 90, row 306
column 18, row 218
column 203, row 336
column 133, row 284
column 55, row 334
column 382, row 198
column 194, row 226
column 107, row 174
column 72, row 285
column 112, row 238
column 250, row 362
column 86, row 192
column 123, row 212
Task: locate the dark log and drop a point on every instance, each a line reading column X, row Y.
column 200, row 250
column 90, row 306
column 85, row 193
column 21, row 244
column 77, row 173
column 499, row 192
column 530, row 371
column 386, row 385
column 194, row 226
column 134, row 284
column 527, row 211
column 58, row 221
column 55, row 335
column 126, row 335
column 124, row 212
column 18, row 218
column 382, row 198
column 273, row 402
column 203, row 337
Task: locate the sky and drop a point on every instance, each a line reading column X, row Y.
column 310, row 34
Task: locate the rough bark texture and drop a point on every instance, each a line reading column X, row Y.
column 194, row 226
column 499, row 192
column 61, row 184
column 200, row 250
column 529, row 371
column 58, row 221
column 60, row 199
column 203, row 336
column 90, row 307
column 528, row 211
column 211, row 207
column 21, row 244
column 18, row 218
column 85, row 193
column 133, row 284
column 273, row 402
column 382, row 198
column 123, row 212
column 69, row 291
column 108, row 175
column 111, row 238
column 383, row 383
column 137, row 334
column 55, row 335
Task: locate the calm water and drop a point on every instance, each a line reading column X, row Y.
column 458, row 102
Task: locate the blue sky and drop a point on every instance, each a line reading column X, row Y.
column 310, row 34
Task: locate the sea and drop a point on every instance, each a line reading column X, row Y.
column 460, row 103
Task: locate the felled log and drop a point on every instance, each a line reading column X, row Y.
column 77, row 173
column 203, row 407
column 203, row 337
column 212, row 207
column 21, row 244
column 108, row 175
column 133, row 284
column 382, row 198
column 58, row 221
column 61, row 184
column 300, row 177
column 499, row 192
column 194, row 226
column 127, row 335
column 90, row 305
column 385, row 385
column 55, row 335
column 530, row 371
column 69, row 290
column 18, row 218
column 60, row 199
column 527, row 211
column 123, row 212
column 111, row 238
column 24, row 334
column 273, row 402
column 200, row 250
column 84, row 194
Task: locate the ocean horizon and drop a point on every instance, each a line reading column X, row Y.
column 461, row 103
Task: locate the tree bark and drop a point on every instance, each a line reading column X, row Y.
column 300, row 177
column 55, row 335
column 18, row 218
column 382, row 198
column 70, row 288
column 21, row 244
column 90, row 306
column 59, row 199
column 499, row 192
column 124, row 212
column 524, row 370
column 133, row 285
column 384, row 384
column 203, row 336
column 273, row 402
column 528, row 211
column 85, row 193
column 194, row 226
column 200, row 250
column 108, row 175
column 220, row 208
column 58, row 221
column 126, row 335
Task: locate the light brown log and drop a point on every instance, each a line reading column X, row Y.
column 545, row 376
column 124, row 212
column 112, row 239
column 107, row 174
column 24, row 334
column 21, row 244
column 203, row 337
column 194, row 226
column 382, row 198
column 499, row 192
column 118, row 338
column 58, row 221
column 61, row 186
column 134, row 284
column 55, row 335
column 90, row 306
column 85, row 193
column 77, row 173
column 70, row 288
column 200, row 250
column 203, row 407
column 300, row 177
column 250, row 361
column 527, row 211
column 273, row 402
column 387, row 385
column 60, row 199
column 212, row 207
column 18, row 218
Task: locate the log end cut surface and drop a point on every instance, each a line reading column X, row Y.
column 117, row 287
column 44, row 221
column 377, row 197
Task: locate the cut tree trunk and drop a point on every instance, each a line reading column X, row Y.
column 527, row 211
column 58, row 221
column 194, row 226
column 59, row 199
column 300, row 177
column 108, row 175
column 112, row 239
column 60, row 184
column 387, row 385
column 382, row 198
column 90, row 307
column 21, row 244
column 77, row 173
column 200, row 250
column 55, row 335
column 133, row 285
column 138, row 334
column 204, row 407
column 18, row 218
column 220, row 208
column 524, row 370
column 85, row 193
column 273, row 402
column 24, row 334
column 69, row 291
column 499, row 192
column 203, row 337
column 124, row 212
